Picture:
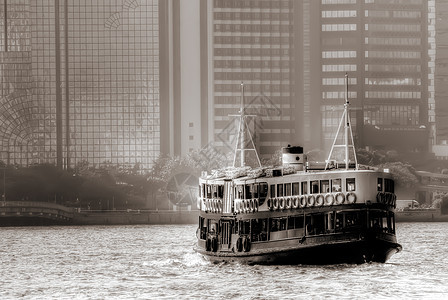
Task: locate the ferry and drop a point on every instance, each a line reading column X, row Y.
column 297, row 213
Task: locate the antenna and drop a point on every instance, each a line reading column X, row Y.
column 348, row 134
column 241, row 139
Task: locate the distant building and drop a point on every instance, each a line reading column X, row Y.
column 259, row 44
column 439, row 13
column 383, row 46
column 294, row 55
column 80, row 81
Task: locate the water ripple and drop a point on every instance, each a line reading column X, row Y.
column 146, row 262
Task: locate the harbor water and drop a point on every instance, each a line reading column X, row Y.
column 158, row 262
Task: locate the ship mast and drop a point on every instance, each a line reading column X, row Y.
column 241, row 138
column 348, row 134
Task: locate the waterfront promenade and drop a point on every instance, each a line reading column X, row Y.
column 16, row 213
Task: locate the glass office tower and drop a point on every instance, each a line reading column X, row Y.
column 80, row 82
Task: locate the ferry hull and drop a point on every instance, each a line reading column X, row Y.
column 353, row 252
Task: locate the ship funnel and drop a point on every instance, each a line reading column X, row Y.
column 293, row 156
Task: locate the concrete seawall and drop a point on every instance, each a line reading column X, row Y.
column 134, row 217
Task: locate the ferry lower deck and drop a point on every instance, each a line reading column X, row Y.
column 354, row 233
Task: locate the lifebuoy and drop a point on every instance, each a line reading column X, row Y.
column 303, row 201
column 214, row 206
column 319, row 200
column 246, row 244
column 269, row 204
column 288, row 203
column 311, row 200
column 391, row 199
column 220, row 205
column 247, row 205
column 295, row 202
column 281, row 203
column 329, row 199
column 214, row 244
column 239, row 244
column 275, row 203
column 251, row 205
column 351, row 197
column 379, row 197
column 256, row 204
column 340, row 198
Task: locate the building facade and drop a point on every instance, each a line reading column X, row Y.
column 383, row 47
column 80, row 81
column 257, row 44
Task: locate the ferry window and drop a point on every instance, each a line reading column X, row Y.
column 244, row 227
column 339, row 221
column 209, row 191
column 272, row 187
column 220, row 191
column 388, row 185
column 248, row 194
column 298, row 222
column 287, row 189
column 314, row 186
column 290, row 223
column 259, row 230
column 239, row 192
column 274, row 224
column 263, row 192
column 325, row 186
column 295, row 188
column 380, row 185
column 283, row 224
column 215, row 191
column 201, row 191
column 255, row 190
column 336, row 185
column 304, row 188
column 350, row 184
column 279, row 190
column 352, row 220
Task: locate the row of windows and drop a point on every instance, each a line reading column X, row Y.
column 259, row 28
column 252, row 76
column 338, row 81
column 338, row 27
column 392, row 81
column 338, row 95
column 265, row 88
column 393, row 54
column 393, row 68
column 338, row 1
column 396, row 41
column 393, row 14
column 252, row 52
column 246, row 16
column 253, row 64
column 393, row 27
column 339, row 68
column 251, row 4
column 391, row 115
column 392, row 2
column 232, row 40
column 392, row 95
column 338, row 54
column 338, row 13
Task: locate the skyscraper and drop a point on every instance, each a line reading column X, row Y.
column 80, row 81
column 383, row 46
column 257, row 43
